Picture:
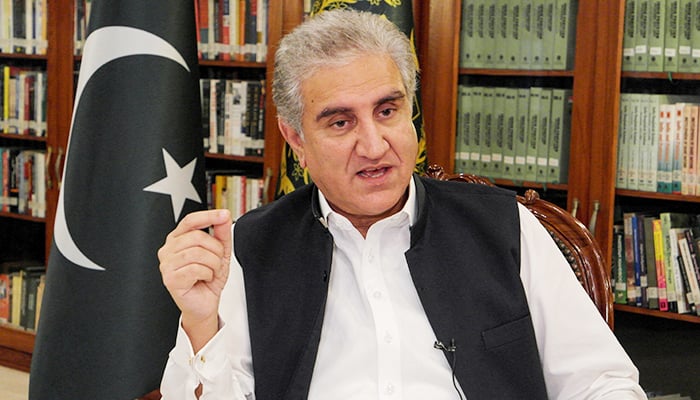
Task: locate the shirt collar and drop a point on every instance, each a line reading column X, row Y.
column 409, row 208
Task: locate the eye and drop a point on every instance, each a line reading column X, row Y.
column 340, row 123
column 386, row 112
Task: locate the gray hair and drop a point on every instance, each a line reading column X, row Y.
column 335, row 38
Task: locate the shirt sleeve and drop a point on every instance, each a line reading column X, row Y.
column 224, row 365
column 581, row 357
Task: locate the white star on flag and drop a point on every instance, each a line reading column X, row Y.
column 177, row 184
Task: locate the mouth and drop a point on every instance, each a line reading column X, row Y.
column 373, row 172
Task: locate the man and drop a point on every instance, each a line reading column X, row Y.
column 375, row 283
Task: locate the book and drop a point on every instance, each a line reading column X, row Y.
column 656, row 35
column 5, row 293
column 619, row 265
column 513, row 30
column 521, row 133
column 534, row 119
column 629, row 35
column 558, row 154
column 543, row 135
column 622, row 146
column 660, row 264
column 633, row 268
column 695, row 39
column 527, row 33
column 462, row 139
column 538, row 31
column 476, row 130
column 501, row 34
column 479, row 52
column 466, row 35
column 652, row 287
column 498, row 129
column 487, row 131
column 489, row 40
column 685, row 22
column 565, row 34
column 641, row 42
column 672, row 220
column 688, row 264
column 671, row 37
column 509, row 135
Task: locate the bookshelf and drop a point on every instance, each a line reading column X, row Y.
column 598, row 82
column 30, row 237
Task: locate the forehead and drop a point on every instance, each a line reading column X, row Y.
column 362, row 79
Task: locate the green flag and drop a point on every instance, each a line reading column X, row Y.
column 400, row 12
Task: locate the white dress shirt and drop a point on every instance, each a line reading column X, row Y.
column 377, row 343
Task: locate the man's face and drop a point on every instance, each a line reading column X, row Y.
column 359, row 142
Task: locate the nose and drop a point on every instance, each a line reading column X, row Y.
column 371, row 142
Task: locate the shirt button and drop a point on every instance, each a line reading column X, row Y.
column 377, row 294
column 389, row 389
column 388, row 338
column 370, row 258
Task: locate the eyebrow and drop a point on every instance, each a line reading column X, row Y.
column 327, row 112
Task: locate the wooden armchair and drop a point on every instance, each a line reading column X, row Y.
column 573, row 238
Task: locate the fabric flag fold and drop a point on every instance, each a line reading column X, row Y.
column 134, row 167
column 400, row 12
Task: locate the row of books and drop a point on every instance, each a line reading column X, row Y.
column 233, row 116
column 656, row 261
column 21, row 292
column 520, row 34
column 23, row 189
column 23, row 26
column 514, row 133
column 231, row 30
column 658, row 143
column 661, row 36
column 235, row 191
column 23, row 101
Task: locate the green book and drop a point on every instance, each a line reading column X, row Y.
column 538, row 28
column 521, row 134
column 487, row 100
column 466, row 35
column 695, row 36
column 619, row 264
column 476, row 129
column 564, row 35
column 489, row 45
column 534, row 117
column 513, row 34
column 672, row 220
column 543, row 135
column 550, row 14
column 657, row 32
column 641, row 42
column 462, row 140
column 671, row 38
column 634, row 141
column 622, row 148
column 502, row 35
column 558, row 163
column 527, row 33
column 498, row 125
column 629, row 35
column 511, row 119
column 650, row 105
column 479, row 52
column 685, row 31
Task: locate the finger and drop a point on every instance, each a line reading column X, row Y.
column 222, row 232
column 183, row 279
column 200, row 220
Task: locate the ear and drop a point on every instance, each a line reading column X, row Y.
column 294, row 140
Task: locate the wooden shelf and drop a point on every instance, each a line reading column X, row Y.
column 24, row 217
column 658, row 314
column 515, row 72
column 29, row 138
column 657, row 196
column 16, row 347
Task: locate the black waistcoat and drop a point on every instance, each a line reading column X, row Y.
column 464, row 260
